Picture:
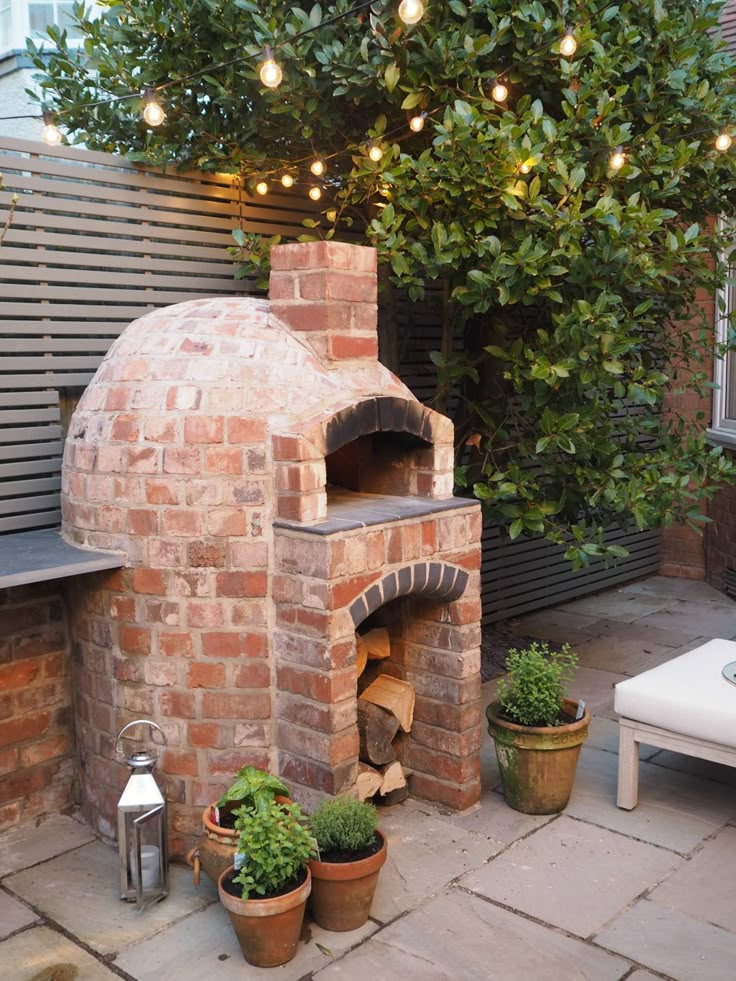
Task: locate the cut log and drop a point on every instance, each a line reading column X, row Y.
column 369, row 781
column 395, row 695
column 361, row 652
column 376, row 728
column 393, row 778
column 393, row 797
column 378, row 644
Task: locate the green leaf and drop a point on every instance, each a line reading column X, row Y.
column 391, row 77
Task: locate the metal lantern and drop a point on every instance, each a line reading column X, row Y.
column 144, row 870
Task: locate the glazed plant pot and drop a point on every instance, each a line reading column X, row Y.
column 215, row 850
column 342, row 892
column 538, row 764
column 268, row 930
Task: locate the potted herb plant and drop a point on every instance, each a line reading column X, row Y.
column 251, row 788
column 345, row 872
column 537, row 731
column 266, row 894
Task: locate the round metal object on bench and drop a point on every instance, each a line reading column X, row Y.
column 729, row 672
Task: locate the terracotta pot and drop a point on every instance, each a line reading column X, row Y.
column 538, row 763
column 342, row 892
column 268, row 930
column 216, row 848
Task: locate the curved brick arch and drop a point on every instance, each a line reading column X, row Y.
column 435, row 580
column 381, row 414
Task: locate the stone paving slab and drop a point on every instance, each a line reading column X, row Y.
column 13, row 915
column 705, row 887
column 603, row 734
column 705, row 769
column 81, row 892
column 557, row 626
column 675, row 810
column 572, row 875
column 424, row 854
column 704, row 619
column 458, row 936
column 624, row 655
column 699, row 592
column 25, row 846
column 204, row 946
column 617, row 605
column 668, row 941
column 492, row 818
column 596, row 687
column 42, row 954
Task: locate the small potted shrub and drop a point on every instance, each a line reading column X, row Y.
column 537, row 731
column 345, row 872
column 266, row 894
column 251, row 788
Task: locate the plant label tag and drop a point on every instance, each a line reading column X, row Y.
column 581, row 710
column 217, row 814
column 239, row 860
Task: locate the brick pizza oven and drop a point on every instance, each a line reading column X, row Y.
column 274, row 489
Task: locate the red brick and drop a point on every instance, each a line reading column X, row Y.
column 226, row 523
column 206, row 735
column 343, row 347
column 9, row 816
column 206, row 554
column 246, row 430
column 320, row 687
column 149, row 581
column 126, row 428
column 19, row 675
column 206, row 675
column 135, row 640
column 182, row 521
column 175, row 644
column 204, row 613
column 254, row 675
column 230, row 762
column 228, row 644
column 163, row 492
column 8, row 761
column 345, row 592
column 18, row 730
column 177, row 705
column 181, row 763
column 458, row 798
column 46, row 749
column 204, row 429
column 250, row 706
column 122, row 608
column 224, row 459
column 182, row 460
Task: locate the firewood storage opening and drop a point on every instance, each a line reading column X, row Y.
column 274, row 489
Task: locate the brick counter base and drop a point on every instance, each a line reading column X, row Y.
column 36, row 742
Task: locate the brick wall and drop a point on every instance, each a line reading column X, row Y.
column 720, row 537
column 36, row 727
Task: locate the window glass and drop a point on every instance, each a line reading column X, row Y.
column 40, row 15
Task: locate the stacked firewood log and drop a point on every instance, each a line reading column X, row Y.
column 385, row 711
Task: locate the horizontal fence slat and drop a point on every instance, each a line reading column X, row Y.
column 129, row 246
column 178, row 266
column 22, row 522
column 32, row 450
column 41, row 502
column 29, row 398
column 23, row 434
column 23, row 468
column 15, row 416
column 143, row 279
column 60, row 380
column 37, row 485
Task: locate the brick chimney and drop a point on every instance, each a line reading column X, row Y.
column 327, row 292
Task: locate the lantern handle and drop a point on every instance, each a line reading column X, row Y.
column 139, row 722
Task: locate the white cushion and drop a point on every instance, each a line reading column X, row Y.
column 687, row 694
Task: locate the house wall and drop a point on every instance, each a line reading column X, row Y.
column 36, row 735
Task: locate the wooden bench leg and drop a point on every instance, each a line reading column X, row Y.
column 628, row 768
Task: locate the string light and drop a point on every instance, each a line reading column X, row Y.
column 375, row 152
column 416, row 123
column 50, row 133
column 411, row 11
column 152, row 113
column 723, row 140
column 315, row 193
column 317, row 167
column 617, row 159
column 525, row 167
column 270, row 72
column 287, row 180
column 499, row 92
column 568, row 44
column 261, row 188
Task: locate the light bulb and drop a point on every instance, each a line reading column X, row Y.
column 499, row 92
column 723, row 141
column 617, row 159
column 270, row 72
column 411, row 11
column 416, row 123
column 50, row 133
column 153, row 113
column 261, row 187
column 568, row 44
column 317, row 168
column 315, row 193
column 525, row 168
column 375, row 152
column 287, row 180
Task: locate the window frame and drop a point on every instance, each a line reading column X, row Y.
column 722, row 429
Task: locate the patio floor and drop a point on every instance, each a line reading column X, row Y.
column 595, row 893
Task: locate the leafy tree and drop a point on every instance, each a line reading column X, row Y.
column 570, row 287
